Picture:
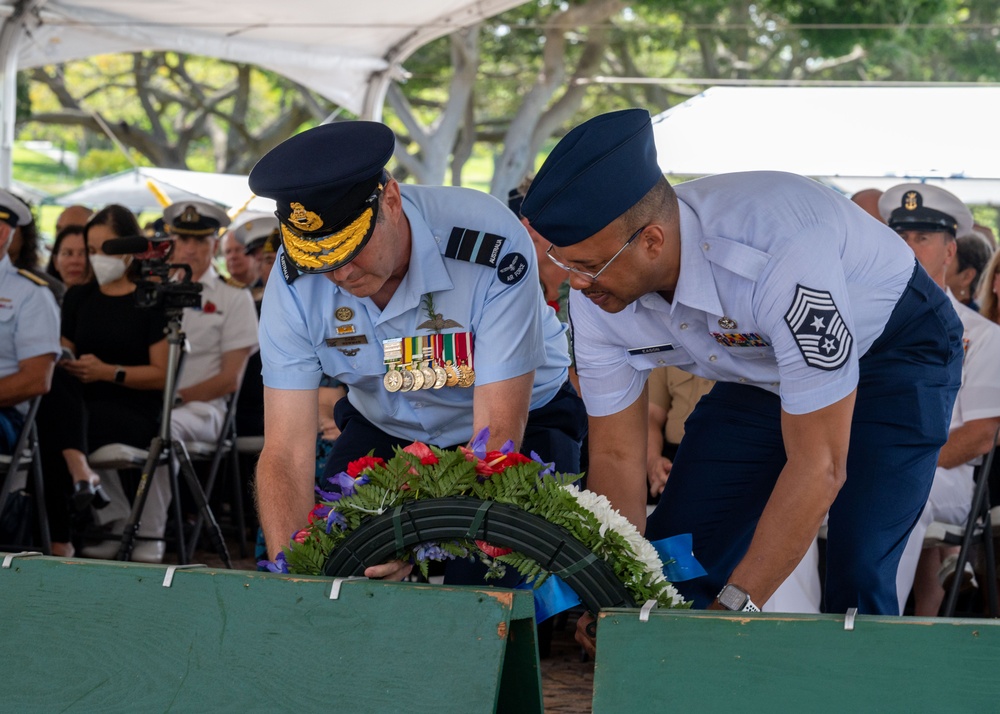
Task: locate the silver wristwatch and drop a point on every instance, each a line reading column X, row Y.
column 733, row 597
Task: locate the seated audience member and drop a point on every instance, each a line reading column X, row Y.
column 24, row 253
column 108, row 388
column 268, row 252
column 29, row 330
column 241, row 267
column 222, row 333
column 253, row 234
column 973, row 253
column 673, row 394
column 868, row 200
column 75, row 215
column 928, row 219
column 68, row 261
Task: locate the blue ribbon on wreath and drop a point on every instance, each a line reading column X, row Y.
column 551, row 597
column 679, row 563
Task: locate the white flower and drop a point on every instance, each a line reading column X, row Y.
column 642, row 550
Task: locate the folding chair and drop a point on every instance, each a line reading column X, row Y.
column 16, row 465
column 222, row 451
column 977, row 529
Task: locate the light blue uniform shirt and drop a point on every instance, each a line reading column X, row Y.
column 754, row 247
column 29, row 320
column 514, row 331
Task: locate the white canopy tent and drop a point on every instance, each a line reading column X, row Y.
column 848, row 137
column 132, row 189
column 348, row 52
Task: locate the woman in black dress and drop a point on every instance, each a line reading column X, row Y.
column 108, row 386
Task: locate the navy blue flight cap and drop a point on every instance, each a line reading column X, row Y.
column 594, row 174
column 326, row 182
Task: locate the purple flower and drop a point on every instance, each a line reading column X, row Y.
column 478, row 445
column 278, row 565
column 335, row 517
column 508, row 447
column 346, row 484
column 327, row 495
column 433, row 551
column 550, row 466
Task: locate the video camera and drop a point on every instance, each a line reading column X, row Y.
column 157, row 288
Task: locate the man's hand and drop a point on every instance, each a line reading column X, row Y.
column 393, row 570
column 585, row 640
column 657, row 471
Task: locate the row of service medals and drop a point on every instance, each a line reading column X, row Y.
column 428, row 362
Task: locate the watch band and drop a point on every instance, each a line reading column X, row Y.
column 119, row 375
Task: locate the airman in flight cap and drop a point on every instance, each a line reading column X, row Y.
column 807, row 313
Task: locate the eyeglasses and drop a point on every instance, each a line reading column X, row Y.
column 592, row 277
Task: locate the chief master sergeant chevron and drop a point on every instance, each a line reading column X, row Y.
column 423, row 300
column 837, row 361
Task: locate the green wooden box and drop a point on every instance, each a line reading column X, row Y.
column 686, row 661
column 98, row 636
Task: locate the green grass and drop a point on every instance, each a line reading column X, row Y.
column 42, row 172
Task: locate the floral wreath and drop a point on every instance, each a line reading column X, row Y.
column 361, row 520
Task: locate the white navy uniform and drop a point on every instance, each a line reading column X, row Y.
column 748, row 241
column 29, row 320
column 978, row 398
column 496, row 299
column 227, row 320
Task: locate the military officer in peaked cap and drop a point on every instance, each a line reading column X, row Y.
column 928, row 219
column 29, row 329
column 814, row 319
column 423, row 300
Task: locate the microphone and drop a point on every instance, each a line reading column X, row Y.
column 141, row 246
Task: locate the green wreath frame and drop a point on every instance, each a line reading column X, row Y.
column 412, row 523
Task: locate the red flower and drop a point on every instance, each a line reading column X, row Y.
column 357, row 467
column 492, row 550
column 301, row 536
column 209, row 307
column 423, row 452
column 496, row 461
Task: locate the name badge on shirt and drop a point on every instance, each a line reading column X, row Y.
column 346, row 341
column 652, row 349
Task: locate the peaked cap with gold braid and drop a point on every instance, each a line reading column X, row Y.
column 326, row 183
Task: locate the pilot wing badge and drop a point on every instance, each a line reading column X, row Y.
column 818, row 329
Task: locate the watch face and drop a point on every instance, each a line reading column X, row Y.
column 732, row 598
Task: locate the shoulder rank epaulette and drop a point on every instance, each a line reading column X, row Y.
column 37, row 280
column 474, row 246
column 231, row 282
column 288, row 271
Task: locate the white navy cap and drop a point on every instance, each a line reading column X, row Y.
column 920, row 207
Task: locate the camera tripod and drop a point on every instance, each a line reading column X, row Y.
column 171, row 451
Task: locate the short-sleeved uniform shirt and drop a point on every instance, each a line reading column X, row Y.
column 226, row 320
column 784, row 284
column 29, row 320
column 979, row 394
column 475, row 262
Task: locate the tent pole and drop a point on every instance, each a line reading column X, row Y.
column 11, row 34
